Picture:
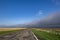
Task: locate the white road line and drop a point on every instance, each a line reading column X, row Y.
column 34, row 36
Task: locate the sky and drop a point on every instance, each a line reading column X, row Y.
column 14, row 12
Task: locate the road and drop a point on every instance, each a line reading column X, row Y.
column 20, row 35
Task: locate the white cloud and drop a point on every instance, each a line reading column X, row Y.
column 40, row 12
column 51, row 20
column 57, row 2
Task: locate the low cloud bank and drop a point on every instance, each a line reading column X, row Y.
column 52, row 20
column 49, row 21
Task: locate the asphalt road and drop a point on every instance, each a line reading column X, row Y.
column 20, row 35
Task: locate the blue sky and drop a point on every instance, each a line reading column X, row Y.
column 23, row 11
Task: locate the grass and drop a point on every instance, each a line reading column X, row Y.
column 9, row 30
column 5, row 32
column 43, row 35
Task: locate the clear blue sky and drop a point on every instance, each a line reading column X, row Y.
column 22, row 11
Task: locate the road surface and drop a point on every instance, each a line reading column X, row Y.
column 20, row 35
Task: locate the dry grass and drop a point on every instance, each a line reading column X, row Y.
column 8, row 29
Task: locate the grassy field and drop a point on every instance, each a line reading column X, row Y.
column 41, row 33
column 47, row 34
column 8, row 30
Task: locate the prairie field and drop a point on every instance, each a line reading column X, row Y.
column 8, row 30
column 41, row 33
column 47, row 33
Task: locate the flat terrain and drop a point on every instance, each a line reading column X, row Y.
column 18, row 35
column 47, row 33
column 26, row 34
column 9, row 29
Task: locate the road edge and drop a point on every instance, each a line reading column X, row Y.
column 35, row 36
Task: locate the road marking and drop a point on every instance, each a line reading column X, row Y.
column 34, row 36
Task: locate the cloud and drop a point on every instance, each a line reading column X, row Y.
column 57, row 2
column 52, row 20
column 40, row 12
